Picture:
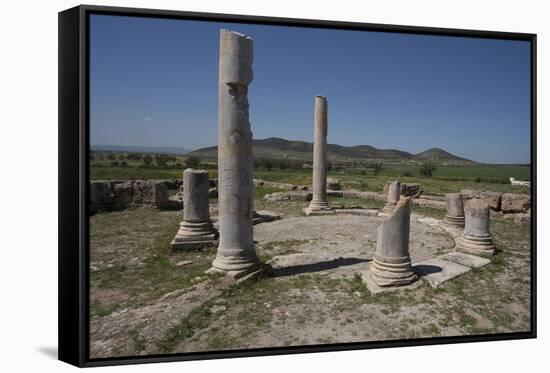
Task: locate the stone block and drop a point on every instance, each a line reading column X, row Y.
column 333, row 184
column 123, row 194
column 492, row 199
column 151, row 193
column 289, row 196
column 465, row 259
column 437, row 271
column 512, row 202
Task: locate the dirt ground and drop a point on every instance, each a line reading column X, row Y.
column 147, row 300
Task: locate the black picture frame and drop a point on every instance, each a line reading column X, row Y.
column 73, row 255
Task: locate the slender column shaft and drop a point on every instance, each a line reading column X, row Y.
column 236, row 250
column 320, row 150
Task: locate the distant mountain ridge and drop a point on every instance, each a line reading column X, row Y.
column 276, row 148
column 140, row 149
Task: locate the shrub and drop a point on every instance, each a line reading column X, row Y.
column 114, row 164
column 407, row 174
column 427, row 169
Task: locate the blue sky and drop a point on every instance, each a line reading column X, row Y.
column 154, row 83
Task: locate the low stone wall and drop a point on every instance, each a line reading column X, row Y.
column 273, row 184
column 120, row 195
column 513, row 206
column 289, row 196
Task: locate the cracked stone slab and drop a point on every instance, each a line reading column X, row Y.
column 436, row 271
column 429, row 221
column 374, row 288
column 366, row 212
column 466, row 259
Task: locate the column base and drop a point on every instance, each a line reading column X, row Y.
column 232, row 269
column 454, row 221
column 194, row 236
column 480, row 246
column 239, row 263
column 392, row 272
column 318, row 208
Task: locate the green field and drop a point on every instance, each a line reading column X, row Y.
column 444, row 180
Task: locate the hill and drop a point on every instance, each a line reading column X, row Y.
column 140, row 149
column 276, row 148
column 440, row 156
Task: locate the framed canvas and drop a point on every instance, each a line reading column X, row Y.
column 235, row 186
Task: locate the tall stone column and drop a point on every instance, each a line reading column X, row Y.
column 392, row 262
column 236, row 252
column 196, row 230
column 319, row 202
column 394, row 193
column 476, row 238
column 455, row 210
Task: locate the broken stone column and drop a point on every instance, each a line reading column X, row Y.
column 392, row 262
column 455, row 210
column 394, row 192
column 476, row 238
column 319, row 204
column 196, row 230
column 236, row 253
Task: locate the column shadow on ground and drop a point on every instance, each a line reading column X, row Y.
column 426, row 269
column 316, row 267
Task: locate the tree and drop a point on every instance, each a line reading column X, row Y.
column 268, row 165
column 329, row 166
column 192, row 161
column 147, row 160
column 111, row 156
column 427, row 169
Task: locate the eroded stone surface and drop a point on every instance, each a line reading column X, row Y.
column 338, row 245
column 436, row 271
column 465, row 259
column 236, row 250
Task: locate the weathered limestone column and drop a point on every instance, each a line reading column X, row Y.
column 236, row 253
column 394, row 192
column 196, row 230
column 455, row 210
column 319, row 204
column 476, row 238
column 392, row 262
